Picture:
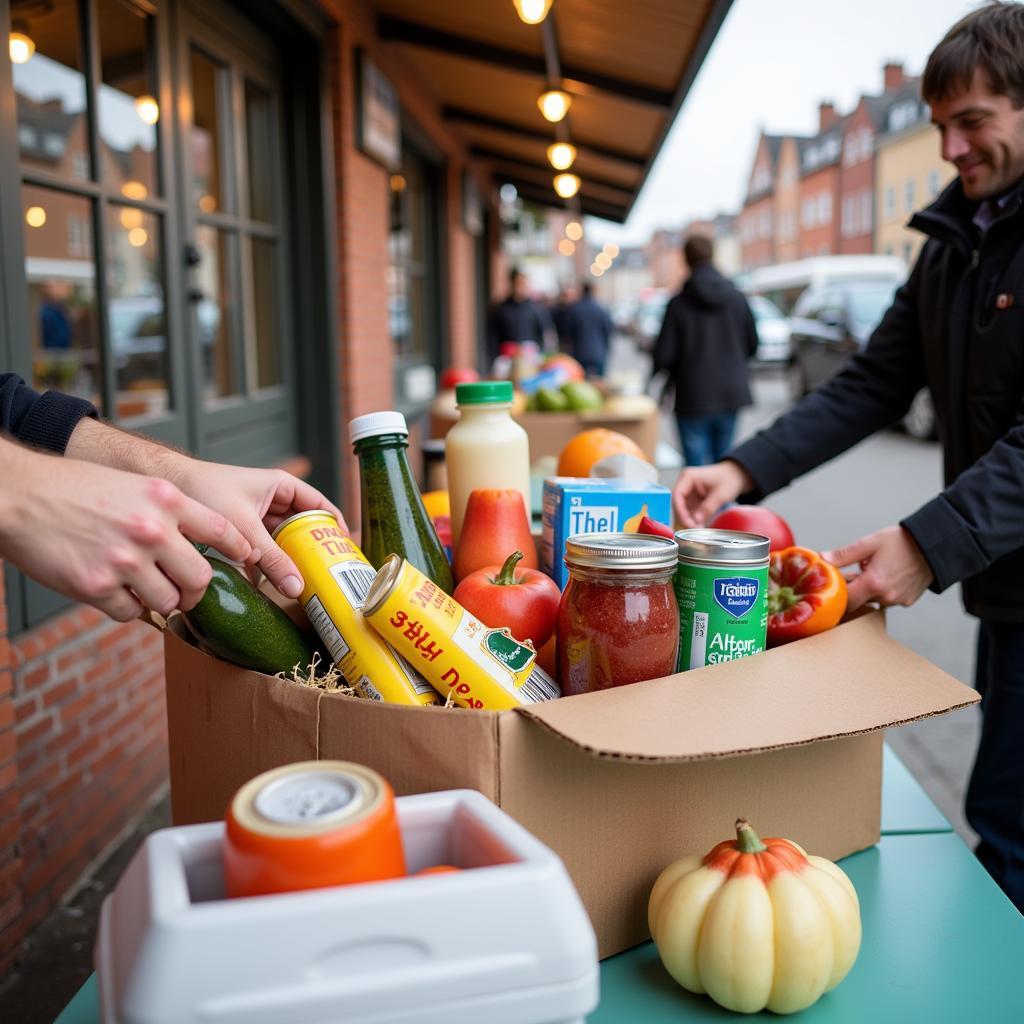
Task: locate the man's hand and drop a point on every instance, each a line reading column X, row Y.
column 892, row 568
column 112, row 539
column 702, row 490
column 256, row 501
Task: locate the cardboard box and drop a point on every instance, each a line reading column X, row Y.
column 618, row 783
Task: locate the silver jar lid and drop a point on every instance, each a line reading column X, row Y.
column 707, row 545
column 620, row 551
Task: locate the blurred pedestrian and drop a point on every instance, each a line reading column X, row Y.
column 560, row 315
column 706, row 338
column 518, row 318
column 589, row 332
column 955, row 327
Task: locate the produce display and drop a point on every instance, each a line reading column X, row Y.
column 756, row 924
column 806, row 595
column 573, row 396
column 755, row 519
column 495, row 524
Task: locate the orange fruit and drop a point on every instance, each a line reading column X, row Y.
column 591, row 446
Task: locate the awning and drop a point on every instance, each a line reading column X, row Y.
column 627, row 65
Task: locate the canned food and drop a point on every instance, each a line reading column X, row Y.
column 721, row 585
column 337, row 577
column 477, row 666
column 311, row 825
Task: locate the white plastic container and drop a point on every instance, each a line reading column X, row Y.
column 507, row 942
column 486, row 448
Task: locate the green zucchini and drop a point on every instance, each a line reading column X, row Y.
column 239, row 623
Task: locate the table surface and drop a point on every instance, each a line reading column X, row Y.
column 941, row 941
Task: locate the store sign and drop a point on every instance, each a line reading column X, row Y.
column 378, row 128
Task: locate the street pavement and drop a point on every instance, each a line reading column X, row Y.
column 874, row 485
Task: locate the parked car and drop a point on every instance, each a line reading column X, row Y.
column 772, row 330
column 833, row 321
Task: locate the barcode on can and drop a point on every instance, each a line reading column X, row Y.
column 327, row 630
column 353, row 579
column 698, row 639
column 538, row 686
column 419, row 684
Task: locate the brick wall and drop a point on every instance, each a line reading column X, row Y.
column 10, row 817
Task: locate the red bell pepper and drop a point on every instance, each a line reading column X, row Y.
column 806, row 595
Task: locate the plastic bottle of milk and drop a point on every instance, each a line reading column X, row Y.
column 486, row 448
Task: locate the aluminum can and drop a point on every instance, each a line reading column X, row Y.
column 478, row 666
column 337, row 577
column 310, row 825
column 721, row 585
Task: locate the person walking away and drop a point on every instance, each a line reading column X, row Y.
column 957, row 326
column 518, row 318
column 589, row 329
column 560, row 316
column 706, row 338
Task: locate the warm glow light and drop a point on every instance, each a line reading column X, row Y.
column 567, row 185
column 554, row 104
column 138, row 237
column 134, row 190
column 533, row 12
column 561, row 155
column 21, row 47
column 35, row 216
column 207, row 203
column 131, row 218
column 574, row 230
column 148, row 109
column 603, row 260
column 566, row 247
column 397, row 182
column 596, row 270
column 612, row 249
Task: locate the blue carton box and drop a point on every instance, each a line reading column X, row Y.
column 586, row 505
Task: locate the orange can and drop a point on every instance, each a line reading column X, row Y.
column 311, row 825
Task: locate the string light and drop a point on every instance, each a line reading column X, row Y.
column 561, row 155
column 554, row 104
column 532, row 12
column 567, row 185
column 574, row 230
column 148, row 109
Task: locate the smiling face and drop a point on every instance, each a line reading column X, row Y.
column 983, row 137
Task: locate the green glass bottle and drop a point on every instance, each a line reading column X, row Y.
column 394, row 520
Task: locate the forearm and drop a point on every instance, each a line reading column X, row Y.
column 19, row 473
column 106, row 445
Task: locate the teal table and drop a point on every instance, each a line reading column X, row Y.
column 941, row 941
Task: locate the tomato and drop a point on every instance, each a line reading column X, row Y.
column 525, row 600
column 806, row 595
column 654, row 528
column 755, row 519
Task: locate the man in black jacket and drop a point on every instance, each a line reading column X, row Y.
column 706, row 338
column 957, row 326
column 110, row 524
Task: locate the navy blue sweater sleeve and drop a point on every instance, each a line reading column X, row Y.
column 45, row 420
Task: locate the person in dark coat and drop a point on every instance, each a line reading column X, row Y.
column 957, row 326
column 706, row 337
column 589, row 332
column 518, row 318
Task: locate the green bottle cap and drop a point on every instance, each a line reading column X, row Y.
column 486, row 392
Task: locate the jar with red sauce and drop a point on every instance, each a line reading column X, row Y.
column 618, row 621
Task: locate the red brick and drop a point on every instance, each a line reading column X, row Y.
column 59, row 793
column 101, row 670
column 60, row 692
column 10, row 910
column 8, row 745
column 69, row 712
column 26, row 708
column 6, row 714
column 83, row 750
column 43, row 727
column 34, row 677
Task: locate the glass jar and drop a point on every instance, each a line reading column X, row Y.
column 618, row 621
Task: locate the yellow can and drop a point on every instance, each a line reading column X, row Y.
column 478, row 666
column 337, row 577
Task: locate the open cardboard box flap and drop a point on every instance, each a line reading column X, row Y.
column 851, row 680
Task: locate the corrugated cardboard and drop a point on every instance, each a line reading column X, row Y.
column 618, row 783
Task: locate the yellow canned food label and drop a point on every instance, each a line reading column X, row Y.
column 337, row 577
column 478, row 666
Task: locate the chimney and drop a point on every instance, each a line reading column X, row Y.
column 893, row 76
column 826, row 116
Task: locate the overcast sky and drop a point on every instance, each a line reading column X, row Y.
column 769, row 66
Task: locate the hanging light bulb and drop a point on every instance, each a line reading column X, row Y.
column 20, row 44
column 148, row 109
column 574, row 230
column 567, row 185
column 533, row 12
column 561, row 155
column 554, row 104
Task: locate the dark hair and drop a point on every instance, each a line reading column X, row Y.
column 513, row 273
column 587, row 287
column 990, row 38
column 697, row 250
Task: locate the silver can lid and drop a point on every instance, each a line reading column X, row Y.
column 620, row 551
column 313, row 796
column 707, row 545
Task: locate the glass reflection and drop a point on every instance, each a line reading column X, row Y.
column 212, row 301
column 208, row 83
column 128, row 111
column 265, row 318
column 136, row 318
column 61, row 276
column 50, row 89
column 259, row 128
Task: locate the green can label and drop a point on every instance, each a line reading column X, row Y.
column 723, row 613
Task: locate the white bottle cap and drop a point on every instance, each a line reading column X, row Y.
column 374, row 423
